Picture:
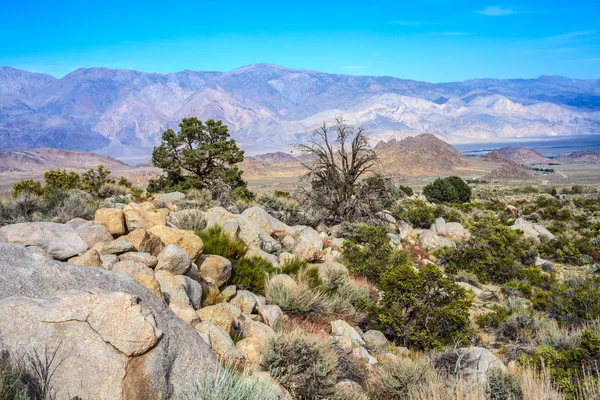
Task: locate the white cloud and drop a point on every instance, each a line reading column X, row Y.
column 495, row 11
column 355, row 66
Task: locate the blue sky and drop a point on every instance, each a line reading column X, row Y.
column 428, row 40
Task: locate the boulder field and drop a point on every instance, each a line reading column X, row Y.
column 131, row 307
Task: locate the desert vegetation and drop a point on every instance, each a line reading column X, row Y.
column 354, row 286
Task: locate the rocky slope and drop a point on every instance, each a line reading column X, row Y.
column 272, row 107
column 581, row 157
column 522, row 155
column 419, row 155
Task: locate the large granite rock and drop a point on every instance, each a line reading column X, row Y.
column 58, row 240
column 309, row 246
column 117, row 339
column 266, row 221
column 187, row 240
column 113, row 219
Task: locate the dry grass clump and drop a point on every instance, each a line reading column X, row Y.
column 227, row 384
column 298, row 300
column 190, row 219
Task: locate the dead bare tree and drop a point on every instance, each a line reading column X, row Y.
column 340, row 156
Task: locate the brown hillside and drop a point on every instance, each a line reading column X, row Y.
column 424, row 154
column 522, row 155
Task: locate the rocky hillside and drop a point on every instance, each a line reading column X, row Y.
column 581, row 157
column 419, row 155
column 272, row 107
column 522, row 155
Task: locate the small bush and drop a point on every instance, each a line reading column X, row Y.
column 371, row 254
column 494, row 252
column 399, row 380
column 425, row 309
column 406, row 189
column 299, row 300
column 251, row 273
column 61, row 179
column 227, row 385
column 303, row 364
column 448, row 190
column 503, row 386
column 75, row 204
column 27, row 187
column 417, row 213
column 190, row 219
column 216, row 241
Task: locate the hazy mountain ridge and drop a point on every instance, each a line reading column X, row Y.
column 272, row 107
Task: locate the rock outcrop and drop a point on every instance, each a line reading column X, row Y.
column 115, row 339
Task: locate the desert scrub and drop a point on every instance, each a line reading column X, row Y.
column 370, row 254
column 298, row 299
column 252, row 273
column 568, row 368
column 286, row 209
column 227, row 385
column 416, row 212
column 568, row 249
column 191, row 219
column 216, row 241
column 503, row 386
column 424, row 309
column 304, row 364
column 494, row 252
column 575, row 301
column 400, row 379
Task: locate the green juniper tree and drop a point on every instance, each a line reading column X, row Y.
column 200, row 155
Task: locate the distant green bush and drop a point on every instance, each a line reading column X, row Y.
column 452, row 189
column 61, row 179
column 29, row 186
column 406, row 189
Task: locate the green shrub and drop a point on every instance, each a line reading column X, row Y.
column 417, row 213
column 251, row 273
column 503, row 386
column 216, row 241
column 286, row 209
column 452, row 189
column 568, row 367
column 371, row 254
column 227, row 385
column 406, row 189
column 575, row 301
column 425, row 309
column 28, row 186
column 494, row 252
column 293, row 267
column 567, row 249
column 61, row 179
column 93, row 179
column 306, row 367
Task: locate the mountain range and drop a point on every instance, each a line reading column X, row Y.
column 269, row 108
